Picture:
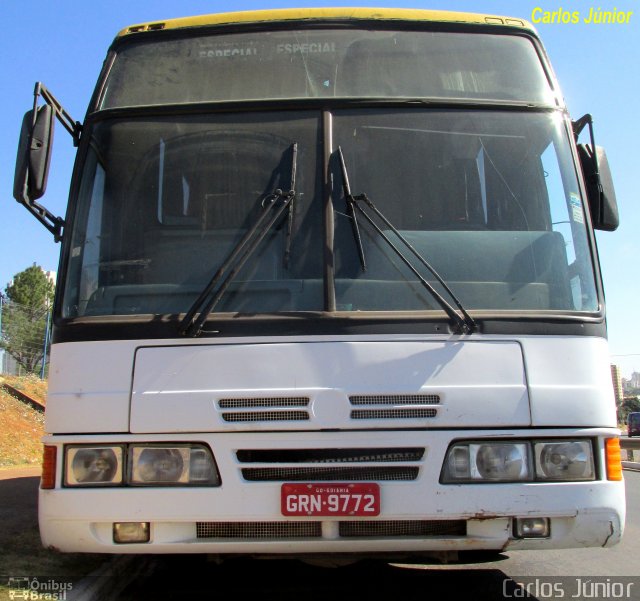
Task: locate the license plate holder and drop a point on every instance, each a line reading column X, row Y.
column 347, row 499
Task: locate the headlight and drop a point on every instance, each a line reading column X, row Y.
column 491, row 461
column 564, row 460
column 93, row 466
column 522, row 460
column 503, row 461
column 179, row 464
column 148, row 464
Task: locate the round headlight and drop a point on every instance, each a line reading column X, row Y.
column 93, row 466
column 565, row 460
column 160, row 465
column 501, row 461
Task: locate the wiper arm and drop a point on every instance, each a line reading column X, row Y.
column 466, row 323
column 277, row 201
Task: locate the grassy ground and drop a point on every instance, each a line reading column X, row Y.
column 31, row 385
column 21, row 552
column 21, row 427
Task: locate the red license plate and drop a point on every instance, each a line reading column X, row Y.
column 346, row 499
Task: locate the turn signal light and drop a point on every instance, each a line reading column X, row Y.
column 48, row 479
column 614, row 459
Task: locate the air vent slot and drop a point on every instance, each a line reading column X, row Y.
column 393, row 413
column 403, row 528
column 262, row 402
column 329, row 474
column 394, row 406
column 258, row 530
column 395, row 399
column 373, row 455
column 280, row 409
column 149, row 27
column 266, row 416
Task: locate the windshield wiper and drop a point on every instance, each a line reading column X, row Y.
column 351, row 212
column 465, row 323
column 292, row 206
column 273, row 207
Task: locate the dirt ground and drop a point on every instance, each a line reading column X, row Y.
column 21, row 427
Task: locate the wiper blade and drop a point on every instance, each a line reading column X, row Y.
column 465, row 323
column 292, row 205
column 277, row 201
column 351, row 212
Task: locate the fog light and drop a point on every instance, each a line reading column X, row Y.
column 131, row 532
column 531, row 528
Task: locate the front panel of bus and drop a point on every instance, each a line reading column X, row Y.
column 329, row 286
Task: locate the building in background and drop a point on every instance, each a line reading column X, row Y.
column 618, row 391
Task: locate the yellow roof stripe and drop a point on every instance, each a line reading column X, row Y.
column 300, row 14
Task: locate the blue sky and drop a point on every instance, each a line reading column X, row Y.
column 64, row 42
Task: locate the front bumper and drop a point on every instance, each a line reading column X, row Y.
column 418, row 515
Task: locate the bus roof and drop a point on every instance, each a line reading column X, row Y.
column 322, row 14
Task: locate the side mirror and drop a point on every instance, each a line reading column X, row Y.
column 600, row 191
column 601, row 195
column 34, row 155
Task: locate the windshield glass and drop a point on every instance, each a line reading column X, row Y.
column 164, row 201
column 489, row 198
column 321, row 63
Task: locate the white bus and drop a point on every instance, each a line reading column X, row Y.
column 328, row 285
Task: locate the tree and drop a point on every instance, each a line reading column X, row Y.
column 24, row 316
column 630, row 404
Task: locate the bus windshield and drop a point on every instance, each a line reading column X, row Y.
column 482, row 184
column 489, row 198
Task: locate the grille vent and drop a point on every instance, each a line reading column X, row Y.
column 258, row 530
column 351, row 529
column 382, row 528
column 253, row 403
column 280, row 409
column 395, row 399
column 394, row 406
column 329, row 474
column 392, row 413
column 266, row 416
column 373, row 455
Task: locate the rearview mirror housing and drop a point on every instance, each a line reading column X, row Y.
column 34, row 155
column 603, row 205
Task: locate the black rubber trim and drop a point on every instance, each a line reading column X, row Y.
column 166, row 327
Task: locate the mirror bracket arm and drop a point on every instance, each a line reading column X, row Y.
column 49, row 220
column 578, row 125
column 73, row 127
column 54, row 224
